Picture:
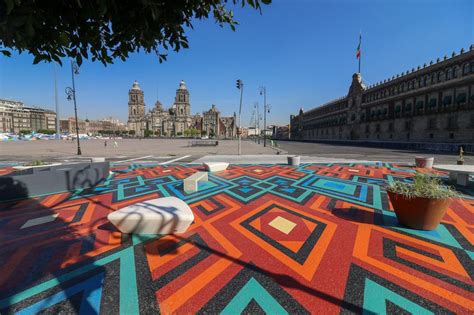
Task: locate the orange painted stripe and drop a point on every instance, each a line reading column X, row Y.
column 451, row 263
column 361, row 250
column 173, row 302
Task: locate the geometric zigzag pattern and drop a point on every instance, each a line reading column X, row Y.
column 318, row 238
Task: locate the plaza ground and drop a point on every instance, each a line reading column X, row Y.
column 163, row 150
column 318, row 238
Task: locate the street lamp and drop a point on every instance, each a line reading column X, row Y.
column 71, row 95
column 240, row 86
column 266, row 108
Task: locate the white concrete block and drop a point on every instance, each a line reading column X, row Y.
column 216, row 166
column 190, row 184
column 166, row 215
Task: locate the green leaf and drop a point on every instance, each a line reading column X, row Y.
column 6, row 53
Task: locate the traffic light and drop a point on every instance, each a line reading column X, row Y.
column 239, row 84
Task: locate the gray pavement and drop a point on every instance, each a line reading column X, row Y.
column 364, row 153
column 126, row 151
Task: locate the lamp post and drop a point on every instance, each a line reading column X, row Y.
column 266, row 108
column 240, row 86
column 71, row 94
column 257, row 123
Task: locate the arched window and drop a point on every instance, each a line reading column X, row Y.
column 433, row 77
column 425, row 80
column 465, row 69
column 449, row 74
column 455, row 72
column 439, row 77
column 182, row 111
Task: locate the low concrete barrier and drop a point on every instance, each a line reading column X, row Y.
column 421, row 146
column 52, row 179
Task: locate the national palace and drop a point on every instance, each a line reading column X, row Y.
column 432, row 103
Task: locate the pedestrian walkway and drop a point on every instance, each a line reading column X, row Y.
column 318, row 238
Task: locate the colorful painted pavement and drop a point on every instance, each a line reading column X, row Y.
column 275, row 239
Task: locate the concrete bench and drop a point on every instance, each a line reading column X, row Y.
column 459, row 173
column 216, row 166
column 166, row 215
column 191, row 183
column 194, row 143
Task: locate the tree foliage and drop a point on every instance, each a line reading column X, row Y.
column 104, row 30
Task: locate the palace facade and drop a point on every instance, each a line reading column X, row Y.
column 432, row 103
column 177, row 119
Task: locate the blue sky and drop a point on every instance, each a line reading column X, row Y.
column 303, row 51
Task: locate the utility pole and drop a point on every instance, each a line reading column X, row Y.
column 56, row 102
column 266, row 108
column 240, row 86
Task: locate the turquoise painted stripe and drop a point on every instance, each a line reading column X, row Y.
column 375, row 297
column 128, row 283
column 20, row 296
column 92, row 288
column 253, row 290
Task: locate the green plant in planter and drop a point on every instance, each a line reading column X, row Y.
column 423, row 186
column 36, row 163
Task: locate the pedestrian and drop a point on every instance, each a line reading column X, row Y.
column 105, row 143
column 115, row 144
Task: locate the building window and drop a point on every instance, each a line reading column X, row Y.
column 449, row 74
column 432, row 123
column 465, row 69
column 447, row 100
column 377, row 128
column 407, row 125
column 451, row 135
column 461, row 98
column 390, row 126
column 367, row 127
column 452, row 122
column 432, row 103
column 431, row 136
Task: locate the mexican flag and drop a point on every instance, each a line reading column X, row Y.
column 358, row 47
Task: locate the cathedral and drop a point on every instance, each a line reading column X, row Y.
column 177, row 119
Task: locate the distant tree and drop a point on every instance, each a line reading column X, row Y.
column 117, row 132
column 179, row 133
column 157, row 132
column 105, row 30
column 131, row 132
column 148, row 133
column 46, row 131
column 25, row 132
column 203, row 133
column 165, row 133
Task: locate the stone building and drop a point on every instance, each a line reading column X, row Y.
column 160, row 121
column 15, row 116
column 433, row 103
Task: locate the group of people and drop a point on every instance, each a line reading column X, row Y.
column 115, row 144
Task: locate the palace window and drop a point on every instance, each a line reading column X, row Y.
column 432, row 103
column 432, row 123
column 397, row 109
column 367, row 128
column 390, row 126
column 425, row 80
column 377, row 128
column 447, row 100
column 461, row 98
column 449, row 74
column 455, row 72
column 452, row 122
column 465, row 69
column 408, row 107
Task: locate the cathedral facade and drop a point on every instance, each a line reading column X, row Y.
column 174, row 121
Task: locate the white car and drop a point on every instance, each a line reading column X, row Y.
column 205, row 138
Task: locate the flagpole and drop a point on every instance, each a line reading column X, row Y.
column 360, row 51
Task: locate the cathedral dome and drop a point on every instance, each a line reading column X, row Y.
column 182, row 85
column 136, row 86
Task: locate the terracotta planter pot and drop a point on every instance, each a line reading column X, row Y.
column 424, row 162
column 419, row 213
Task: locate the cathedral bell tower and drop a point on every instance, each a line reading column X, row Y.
column 181, row 101
column 136, row 109
column 136, row 103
